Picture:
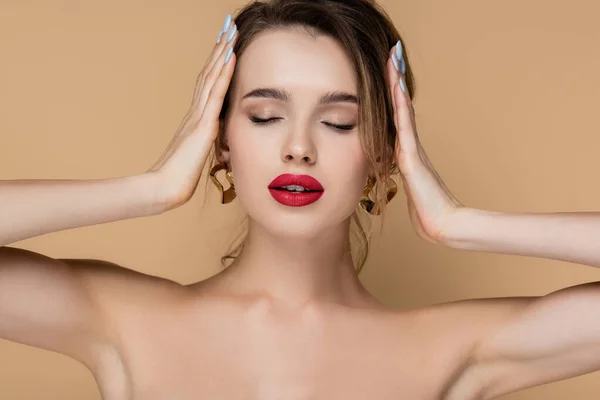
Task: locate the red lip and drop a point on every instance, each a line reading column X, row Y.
column 306, row 181
column 299, row 199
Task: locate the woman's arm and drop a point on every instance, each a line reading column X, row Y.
column 516, row 343
column 439, row 217
column 30, row 208
column 74, row 306
column 573, row 237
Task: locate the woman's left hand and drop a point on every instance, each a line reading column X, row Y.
column 430, row 203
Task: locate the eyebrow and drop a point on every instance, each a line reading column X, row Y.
column 278, row 94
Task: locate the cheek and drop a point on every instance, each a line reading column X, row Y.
column 245, row 140
column 247, row 155
column 345, row 166
column 348, row 159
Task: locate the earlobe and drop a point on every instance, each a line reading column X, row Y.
column 222, row 147
column 222, row 155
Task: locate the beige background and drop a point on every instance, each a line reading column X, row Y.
column 507, row 110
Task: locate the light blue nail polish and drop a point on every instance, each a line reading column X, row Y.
column 402, row 86
column 226, row 24
column 399, row 50
column 395, row 60
column 231, row 33
column 219, row 38
column 228, row 55
column 403, row 66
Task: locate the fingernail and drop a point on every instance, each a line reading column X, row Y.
column 231, row 33
column 402, row 86
column 219, row 38
column 395, row 60
column 228, row 55
column 400, row 57
column 227, row 23
column 399, row 50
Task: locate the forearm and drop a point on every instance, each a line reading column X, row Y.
column 31, row 208
column 573, row 237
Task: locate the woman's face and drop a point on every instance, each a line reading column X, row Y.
column 311, row 86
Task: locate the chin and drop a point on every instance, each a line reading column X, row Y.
column 299, row 224
column 306, row 222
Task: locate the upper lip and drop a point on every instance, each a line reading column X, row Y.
column 305, row 181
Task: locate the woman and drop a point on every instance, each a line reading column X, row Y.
column 312, row 124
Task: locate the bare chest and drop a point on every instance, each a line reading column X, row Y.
column 271, row 359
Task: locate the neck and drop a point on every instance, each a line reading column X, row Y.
column 297, row 270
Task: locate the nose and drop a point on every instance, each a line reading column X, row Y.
column 299, row 147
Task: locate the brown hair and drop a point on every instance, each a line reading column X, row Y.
column 367, row 34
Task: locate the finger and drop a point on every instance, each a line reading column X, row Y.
column 396, row 67
column 217, row 52
column 406, row 126
column 392, row 77
column 217, row 94
column 217, row 65
column 222, row 47
column 213, row 76
column 397, row 73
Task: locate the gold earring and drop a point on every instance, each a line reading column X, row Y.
column 228, row 195
column 367, row 204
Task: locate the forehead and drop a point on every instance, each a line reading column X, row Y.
column 295, row 60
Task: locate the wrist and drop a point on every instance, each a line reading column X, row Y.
column 156, row 197
column 466, row 228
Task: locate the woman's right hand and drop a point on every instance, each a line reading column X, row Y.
column 180, row 166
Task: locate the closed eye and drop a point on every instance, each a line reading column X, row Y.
column 260, row 121
column 340, row 127
column 257, row 120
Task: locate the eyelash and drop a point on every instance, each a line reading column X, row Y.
column 260, row 121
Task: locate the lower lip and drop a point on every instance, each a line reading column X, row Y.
column 295, row 199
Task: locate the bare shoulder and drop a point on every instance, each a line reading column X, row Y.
column 461, row 324
column 457, row 328
column 117, row 290
column 472, row 315
column 102, row 275
column 70, row 306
